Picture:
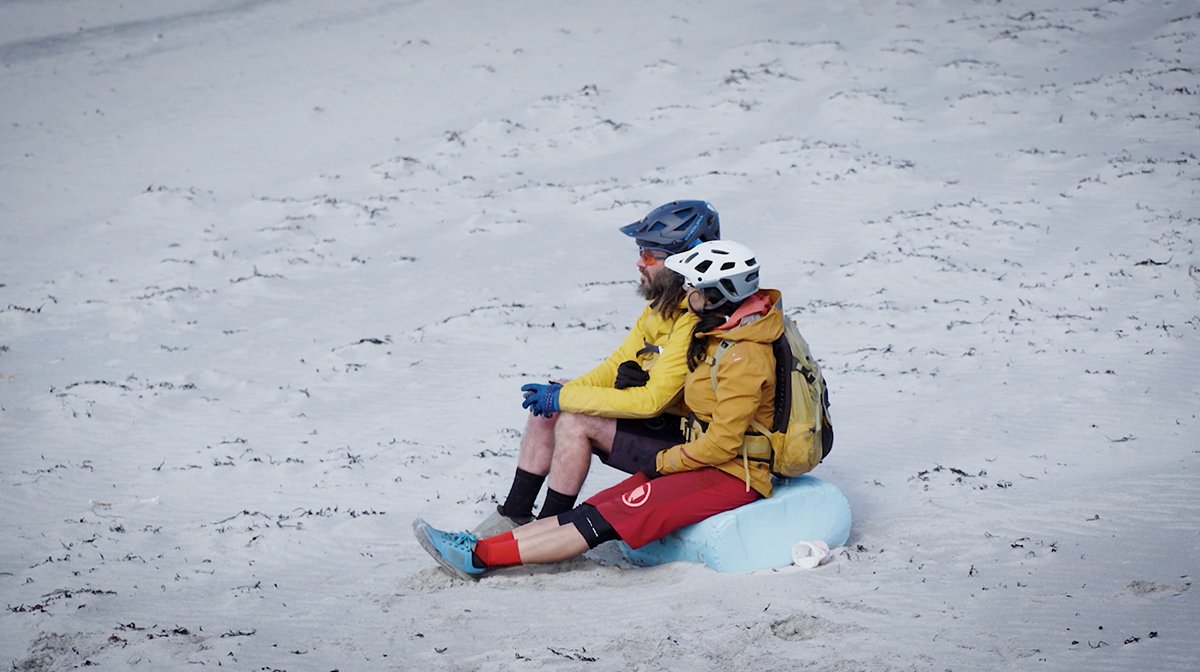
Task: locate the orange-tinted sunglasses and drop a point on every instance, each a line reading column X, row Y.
column 651, row 256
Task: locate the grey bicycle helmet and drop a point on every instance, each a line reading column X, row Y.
column 676, row 226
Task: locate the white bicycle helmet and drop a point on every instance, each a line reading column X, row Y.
column 728, row 266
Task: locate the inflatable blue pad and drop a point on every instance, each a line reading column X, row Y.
column 759, row 535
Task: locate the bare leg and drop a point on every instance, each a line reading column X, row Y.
column 537, row 444
column 545, row 541
column 574, row 437
column 535, row 528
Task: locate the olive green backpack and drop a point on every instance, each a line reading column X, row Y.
column 802, row 433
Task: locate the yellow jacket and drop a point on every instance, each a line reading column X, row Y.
column 745, row 389
column 660, row 345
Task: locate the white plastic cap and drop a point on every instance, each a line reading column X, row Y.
column 810, row 554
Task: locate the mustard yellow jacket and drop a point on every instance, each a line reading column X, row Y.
column 660, row 345
column 745, row 389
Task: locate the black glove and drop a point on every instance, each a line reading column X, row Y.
column 630, row 374
column 647, row 463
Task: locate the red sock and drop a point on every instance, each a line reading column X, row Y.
column 498, row 551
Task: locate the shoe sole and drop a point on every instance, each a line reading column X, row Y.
column 419, row 531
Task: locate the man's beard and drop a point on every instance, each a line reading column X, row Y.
column 662, row 285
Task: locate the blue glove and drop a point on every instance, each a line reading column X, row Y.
column 541, row 399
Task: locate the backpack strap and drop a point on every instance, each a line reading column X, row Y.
column 723, row 346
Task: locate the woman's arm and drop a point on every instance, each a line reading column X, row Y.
column 743, row 376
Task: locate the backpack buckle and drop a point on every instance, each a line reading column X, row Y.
column 692, row 427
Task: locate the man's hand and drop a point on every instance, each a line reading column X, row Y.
column 541, row 399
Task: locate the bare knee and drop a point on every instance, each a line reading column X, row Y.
column 595, row 432
column 568, row 429
column 538, row 425
column 539, row 433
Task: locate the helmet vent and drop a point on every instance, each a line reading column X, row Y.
column 703, row 266
column 727, row 266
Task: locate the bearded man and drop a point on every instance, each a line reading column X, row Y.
column 626, row 403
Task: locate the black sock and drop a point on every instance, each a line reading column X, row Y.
column 525, row 488
column 556, row 503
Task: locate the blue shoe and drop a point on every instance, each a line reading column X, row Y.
column 452, row 550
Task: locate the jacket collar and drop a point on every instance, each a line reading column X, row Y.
column 755, row 306
column 762, row 327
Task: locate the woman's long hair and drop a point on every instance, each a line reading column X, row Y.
column 710, row 319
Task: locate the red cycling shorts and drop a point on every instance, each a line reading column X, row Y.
column 642, row 510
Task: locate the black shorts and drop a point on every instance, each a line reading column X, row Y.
column 636, row 437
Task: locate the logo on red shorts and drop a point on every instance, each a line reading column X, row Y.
column 637, row 497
